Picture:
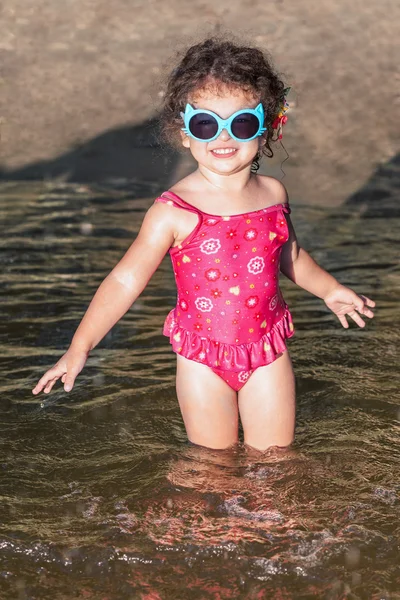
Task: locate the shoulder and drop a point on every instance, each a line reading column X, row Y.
column 160, row 216
column 159, row 210
column 166, row 214
column 274, row 188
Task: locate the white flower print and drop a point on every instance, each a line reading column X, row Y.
column 243, row 376
column 256, row 265
column 210, row 246
column 183, row 304
column 252, row 301
column 250, row 234
column 213, row 274
column 202, row 355
column 274, row 302
column 204, row 304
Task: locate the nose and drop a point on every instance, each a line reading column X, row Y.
column 224, row 135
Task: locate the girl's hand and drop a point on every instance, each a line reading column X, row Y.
column 343, row 301
column 68, row 368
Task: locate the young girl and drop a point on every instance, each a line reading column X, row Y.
column 228, row 232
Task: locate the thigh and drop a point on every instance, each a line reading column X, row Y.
column 267, row 405
column 208, row 405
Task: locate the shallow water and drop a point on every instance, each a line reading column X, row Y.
column 102, row 495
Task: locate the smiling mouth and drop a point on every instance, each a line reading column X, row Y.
column 224, row 151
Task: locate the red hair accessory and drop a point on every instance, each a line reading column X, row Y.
column 281, row 118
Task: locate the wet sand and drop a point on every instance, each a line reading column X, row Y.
column 82, row 83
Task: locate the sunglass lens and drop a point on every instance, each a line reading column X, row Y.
column 203, row 126
column 245, row 126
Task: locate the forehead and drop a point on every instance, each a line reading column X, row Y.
column 222, row 98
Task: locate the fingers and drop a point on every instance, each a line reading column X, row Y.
column 69, row 382
column 50, row 385
column 368, row 301
column 67, row 368
column 70, row 379
column 356, row 318
column 46, row 383
column 50, row 377
column 362, row 306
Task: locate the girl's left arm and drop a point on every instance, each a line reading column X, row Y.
column 301, row 268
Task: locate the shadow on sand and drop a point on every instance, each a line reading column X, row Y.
column 380, row 194
column 116, row 157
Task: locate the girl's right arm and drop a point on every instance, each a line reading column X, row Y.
column 115, row 295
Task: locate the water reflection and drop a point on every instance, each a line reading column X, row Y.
column 102, row 495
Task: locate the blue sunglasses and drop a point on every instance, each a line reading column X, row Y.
column 204, row 125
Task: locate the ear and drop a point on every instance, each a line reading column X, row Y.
column 262, row 140
column 185, row 139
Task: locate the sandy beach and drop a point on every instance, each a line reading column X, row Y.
column 82, row 82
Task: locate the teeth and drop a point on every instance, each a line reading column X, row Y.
column 224, row 150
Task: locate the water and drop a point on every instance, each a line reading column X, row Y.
column 102, row 497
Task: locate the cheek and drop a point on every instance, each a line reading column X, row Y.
column 252, row 147
column 198, row 149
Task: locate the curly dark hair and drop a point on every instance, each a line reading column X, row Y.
column 218, row 61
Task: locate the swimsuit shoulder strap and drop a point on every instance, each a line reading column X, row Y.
column 174, row 200
column 284, row 206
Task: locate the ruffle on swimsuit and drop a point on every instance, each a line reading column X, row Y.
column 230, row 357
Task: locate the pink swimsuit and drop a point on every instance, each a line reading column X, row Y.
column 230, row 313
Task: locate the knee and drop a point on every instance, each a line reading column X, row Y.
column 213, row 444
column 261, row 449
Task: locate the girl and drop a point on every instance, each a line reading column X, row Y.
column 228, row 232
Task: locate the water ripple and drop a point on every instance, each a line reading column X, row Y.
column 102, row 496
